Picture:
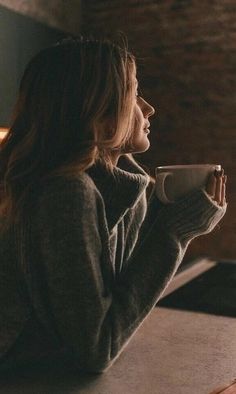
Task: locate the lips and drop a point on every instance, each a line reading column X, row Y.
column 146, row 129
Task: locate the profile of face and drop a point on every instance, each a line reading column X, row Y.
column 142, row 111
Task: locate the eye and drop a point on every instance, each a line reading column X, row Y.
column 138, row 93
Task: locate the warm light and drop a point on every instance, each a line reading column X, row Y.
column 3, row 132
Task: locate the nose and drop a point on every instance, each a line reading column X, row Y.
column 148, row 109
column 151, row 110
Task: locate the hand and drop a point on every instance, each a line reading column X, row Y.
column 216, row 187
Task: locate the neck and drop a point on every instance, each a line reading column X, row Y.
column 115, row 158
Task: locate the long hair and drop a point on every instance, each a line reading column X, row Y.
column 75, row 106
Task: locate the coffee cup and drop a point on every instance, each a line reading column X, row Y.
column 173, row 182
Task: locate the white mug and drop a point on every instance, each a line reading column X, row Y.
column 173, row 182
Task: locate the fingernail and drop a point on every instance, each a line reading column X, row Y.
column 219, row 173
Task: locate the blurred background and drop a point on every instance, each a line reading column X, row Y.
column 186, row 56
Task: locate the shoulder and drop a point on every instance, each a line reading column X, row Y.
column 66, row 208
column 79, row 191
column 80, row 185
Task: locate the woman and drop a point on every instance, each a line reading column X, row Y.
column 84, row 258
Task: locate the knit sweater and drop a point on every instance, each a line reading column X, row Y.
column 98, row 258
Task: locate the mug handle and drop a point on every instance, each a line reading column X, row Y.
column 160, row 190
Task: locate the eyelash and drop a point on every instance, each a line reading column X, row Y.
column 138, row 93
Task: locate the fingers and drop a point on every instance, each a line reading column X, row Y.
column 218, row 190
column 211, row 186
column 216, row 187
column 223, row 190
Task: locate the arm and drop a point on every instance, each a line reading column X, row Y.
column 95, row 324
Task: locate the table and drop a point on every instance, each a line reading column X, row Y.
column 174, row 351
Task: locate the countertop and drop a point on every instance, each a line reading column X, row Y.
column 174, row 351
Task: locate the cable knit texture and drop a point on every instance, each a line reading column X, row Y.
column 98, row 258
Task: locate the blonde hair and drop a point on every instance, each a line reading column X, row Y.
column 75, row 107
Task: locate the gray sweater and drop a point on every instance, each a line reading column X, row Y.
column 98, row 258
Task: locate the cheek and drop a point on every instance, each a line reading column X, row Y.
column 138, row 118
column 139, row 140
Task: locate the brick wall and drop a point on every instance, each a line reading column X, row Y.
column 187, row 69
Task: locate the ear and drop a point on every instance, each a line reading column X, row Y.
column 104, row 129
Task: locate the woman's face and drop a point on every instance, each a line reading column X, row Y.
column 142, row 111
column 139, row 141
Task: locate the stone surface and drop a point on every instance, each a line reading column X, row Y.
column 61, row 14
column 173, row 352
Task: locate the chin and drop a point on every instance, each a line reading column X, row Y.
column 138, row 146
column 143, row 147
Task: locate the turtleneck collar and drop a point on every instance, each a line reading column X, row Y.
column 120, row 189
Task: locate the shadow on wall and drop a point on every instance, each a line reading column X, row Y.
column 20, row 38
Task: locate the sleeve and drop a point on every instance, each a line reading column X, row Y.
column 94, row 324
column 189, row 217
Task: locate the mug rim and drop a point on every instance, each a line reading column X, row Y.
column 190, row 166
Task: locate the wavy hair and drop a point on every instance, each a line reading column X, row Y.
column 75, row 107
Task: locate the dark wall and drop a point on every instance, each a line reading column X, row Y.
column 186, row 53
column 20, row 38
column 187, row 68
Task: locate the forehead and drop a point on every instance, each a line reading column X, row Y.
column 133, row 75
column 133, row 72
